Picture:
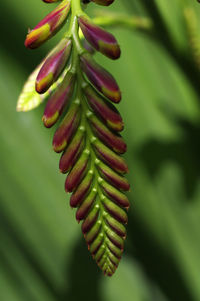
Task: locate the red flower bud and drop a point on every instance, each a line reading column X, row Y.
column 110, row 158
column 72, row 152
column 90, row 219
column 58, row 100
column 99, row 38
column 100, row 78
column 113, row 177
column 116, row 226
column 77, row 173
column 53, row 66
column 115, row 195
column 104, row 109
column 114, row 141
column 85, row 206
column 82, row 190
column 48, row 26
column 67, row 127
column 116, row 211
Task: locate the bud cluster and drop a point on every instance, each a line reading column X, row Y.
column 88, row 134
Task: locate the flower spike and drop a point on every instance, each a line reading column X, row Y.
column 78, row 92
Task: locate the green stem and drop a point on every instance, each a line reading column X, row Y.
column 122, row 20
column 78, row 50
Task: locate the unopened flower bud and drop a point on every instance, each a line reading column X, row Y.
column 104, row 109
column 77, row 173
column 48, row 26
column 58, row 100
column 67, row 128
column 100, row 78
column 53, row 66
column 99, row 38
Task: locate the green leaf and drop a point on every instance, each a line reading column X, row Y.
column 29, row 99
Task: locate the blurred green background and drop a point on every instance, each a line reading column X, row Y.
column 43, row 255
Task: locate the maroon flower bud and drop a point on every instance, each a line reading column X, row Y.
column 53, row 66
column 100, row 78
column 114, row 178
column 77, row 173
column 114, row 141
column 78, row 196
column 58, row 100
column 116, row 226
column 99, row 38
column 48, row 26
column 72, row 152
column 115, row 239
column 92, row 234
column 115, row 195
column 110, row 158
column 85, row 206
column 67, row 127
column 115, row 251
column 104, row 109
column 90, row 219
column 103, row 2
column 96, row 244
column 116, row 211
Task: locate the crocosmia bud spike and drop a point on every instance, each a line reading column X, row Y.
column 53, row 66
column 79, row 93
column 100, row 78
column 103, row 2
column 99, row 38
column 58, row 100
column 48, row 26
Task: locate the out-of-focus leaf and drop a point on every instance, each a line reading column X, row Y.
column 29, row 99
